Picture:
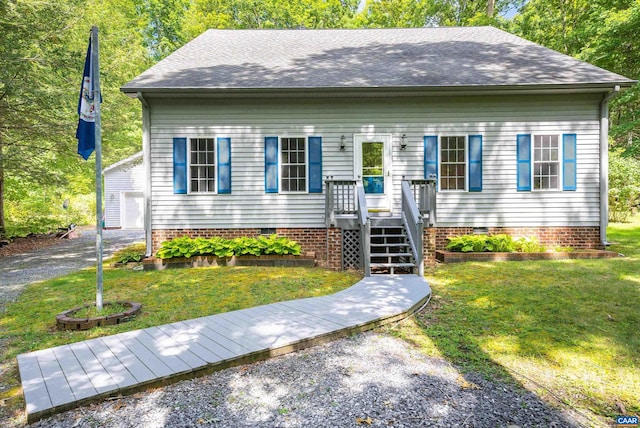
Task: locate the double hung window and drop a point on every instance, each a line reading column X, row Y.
column 546, row 162
column 453, row 163
column 293, row 164
column 202, row 165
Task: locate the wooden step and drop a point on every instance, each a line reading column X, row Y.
column 391, row 255
column 392, row 265
column 388, row 236
column 390, row 244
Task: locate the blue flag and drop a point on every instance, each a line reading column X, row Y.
column 86, row 132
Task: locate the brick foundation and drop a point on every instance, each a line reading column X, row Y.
column 435, row 238
column 310, row 239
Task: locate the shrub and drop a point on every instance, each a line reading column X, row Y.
column 528, row 245
column 132, row 253
column 500, row 243
column 624, row 186
column 467, row 243
column 495, row 243
column 220, row 247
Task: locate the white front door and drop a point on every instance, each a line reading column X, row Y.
column 372, row 161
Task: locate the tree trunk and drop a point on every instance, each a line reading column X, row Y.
column 2, row 225
column 490, row 7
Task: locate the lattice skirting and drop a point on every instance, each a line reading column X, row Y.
column 351, row 249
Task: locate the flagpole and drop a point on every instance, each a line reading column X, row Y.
column 95, row 79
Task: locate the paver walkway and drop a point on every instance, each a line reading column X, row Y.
column 64, row 377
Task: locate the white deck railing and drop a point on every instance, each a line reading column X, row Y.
column 413, row 224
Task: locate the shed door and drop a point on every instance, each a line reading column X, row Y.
column 372, row 161
column 132, row 211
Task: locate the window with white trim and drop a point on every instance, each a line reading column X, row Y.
column 546, row 162
column 293, row 167
column 453, row 163
column 202, row 165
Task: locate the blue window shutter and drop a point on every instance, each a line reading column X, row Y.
column 569, row 181
column 271, row 164
column 180, row 165
column 224, row 165
column 430, row 155
column 475, row 163
column 315, row 164
column 524, row 162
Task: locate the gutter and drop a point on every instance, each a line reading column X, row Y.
column 370, row 91
column 146, row 162
column 604, row 164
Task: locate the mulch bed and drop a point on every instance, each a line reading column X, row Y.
column 29, row 243
column 456, row 257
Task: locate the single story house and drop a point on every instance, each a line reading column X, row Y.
column 370, row 147
column 124, row 194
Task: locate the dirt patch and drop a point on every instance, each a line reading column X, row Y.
column 29, row 243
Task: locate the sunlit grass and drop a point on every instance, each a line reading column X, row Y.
column 565, row 329
column 167, row 296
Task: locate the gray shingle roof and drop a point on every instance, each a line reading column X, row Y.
column 374, row 58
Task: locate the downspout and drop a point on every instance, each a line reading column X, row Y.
column 604, row 164
column 146, row 162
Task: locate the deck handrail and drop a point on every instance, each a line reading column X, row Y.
column 365, row 230
column 424, row 194
column 413, row 223
column 340, row 198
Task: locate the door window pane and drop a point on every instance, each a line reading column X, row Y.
column 373, row 167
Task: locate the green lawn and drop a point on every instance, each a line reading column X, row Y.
column 167, row 296
column 568, row 330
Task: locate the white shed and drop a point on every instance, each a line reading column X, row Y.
column 124, row 194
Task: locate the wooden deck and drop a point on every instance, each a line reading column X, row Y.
column 67, row 376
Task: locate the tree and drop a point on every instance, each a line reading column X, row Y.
column 616, row 48
column 602, row 32
column 162, row 25
column 624, row 186
column 41, row 59
column 396, row 13
column 205, row 14
column 32, row 97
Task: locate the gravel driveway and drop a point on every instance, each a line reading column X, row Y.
column 370, row 379
column 71, row 255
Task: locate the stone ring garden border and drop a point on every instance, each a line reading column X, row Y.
column 66, row 321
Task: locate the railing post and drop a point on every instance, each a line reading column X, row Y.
column 329, row 203
column 365, row 232
column 420, row 249
column 365, row 229
column 431, row 196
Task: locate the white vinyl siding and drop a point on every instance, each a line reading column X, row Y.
column 498, row 119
